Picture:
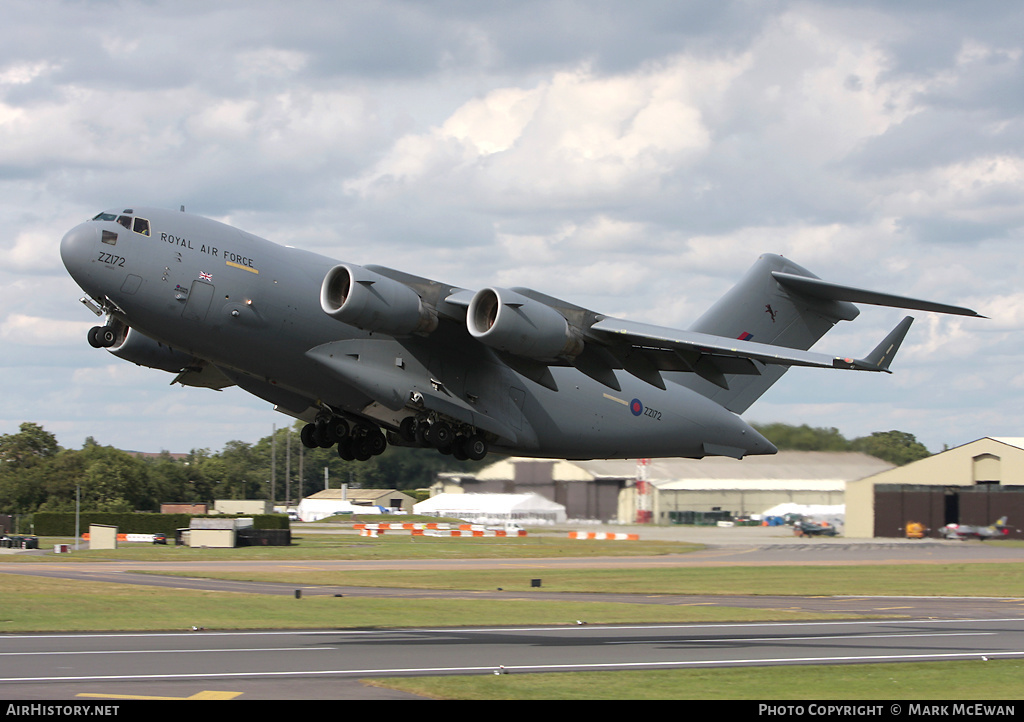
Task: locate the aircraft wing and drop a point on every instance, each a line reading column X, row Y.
column 713, row 356
column 645, row 350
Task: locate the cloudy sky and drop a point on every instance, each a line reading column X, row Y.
column 634, row 158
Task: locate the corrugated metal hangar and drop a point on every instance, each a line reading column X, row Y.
column 976, row 483
column 674, row 490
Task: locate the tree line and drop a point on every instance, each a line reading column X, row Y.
column 37, row 474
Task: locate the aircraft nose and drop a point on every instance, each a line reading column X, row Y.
column 77, row 248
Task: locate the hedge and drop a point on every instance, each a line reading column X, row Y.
column 62, row 523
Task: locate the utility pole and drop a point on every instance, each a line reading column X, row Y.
column 78, row 511
column 273, row 465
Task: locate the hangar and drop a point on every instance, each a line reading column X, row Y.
column 359, row 501
column 971, row 484
column 675, row 490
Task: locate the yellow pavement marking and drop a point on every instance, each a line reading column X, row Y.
column 205, row 694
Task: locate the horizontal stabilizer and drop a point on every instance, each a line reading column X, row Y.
column 816, row 288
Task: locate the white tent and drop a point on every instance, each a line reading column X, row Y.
column 493, row 508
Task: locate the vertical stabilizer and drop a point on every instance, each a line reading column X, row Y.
column 762, row 310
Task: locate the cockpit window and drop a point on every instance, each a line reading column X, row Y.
column 139, row 225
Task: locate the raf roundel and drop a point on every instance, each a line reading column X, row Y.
column 636, row 407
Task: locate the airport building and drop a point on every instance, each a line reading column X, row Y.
column 976, row 484
column 331, row 502
column 675, row 490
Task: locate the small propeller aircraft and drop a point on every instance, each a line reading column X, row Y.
column 997, row 530
column 368, row 355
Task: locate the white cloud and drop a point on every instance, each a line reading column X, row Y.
column 25, row 330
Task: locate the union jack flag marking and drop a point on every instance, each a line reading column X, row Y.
column 203, row 276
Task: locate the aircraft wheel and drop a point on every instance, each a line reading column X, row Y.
column 102, row 336
column 308, row 436
column 407, row 429
column 377, row 442
column 421, row 433
column 362, row 448
column 440, row 435
column 476, row 447
column 459, row 449
column 337, row 429
column 345, row 450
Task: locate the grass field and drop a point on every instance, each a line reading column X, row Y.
column 970, row 680
column 43, row 604
column 967, row 580
column 351, row 546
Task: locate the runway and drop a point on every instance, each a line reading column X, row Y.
column 324, row 664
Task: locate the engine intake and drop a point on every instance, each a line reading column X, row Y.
column 364, row 299
column 511, row 322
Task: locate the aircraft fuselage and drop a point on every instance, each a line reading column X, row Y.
column 252, row 309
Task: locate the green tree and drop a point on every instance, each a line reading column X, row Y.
column 803, row 438
column 896, row 447
column 30, row 446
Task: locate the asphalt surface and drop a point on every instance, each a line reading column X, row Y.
column 327, row 664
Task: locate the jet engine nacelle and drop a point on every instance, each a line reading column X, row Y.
column 364, row 299
column 144, row 351
column 509, row 321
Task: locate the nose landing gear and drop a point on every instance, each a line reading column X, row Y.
column 104, row 336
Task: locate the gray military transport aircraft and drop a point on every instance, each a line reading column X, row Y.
column 368, row 355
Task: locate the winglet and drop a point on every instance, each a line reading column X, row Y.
column 882, row 355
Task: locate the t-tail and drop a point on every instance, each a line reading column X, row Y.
column 781, row 303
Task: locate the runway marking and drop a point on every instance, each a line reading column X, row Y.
column 205, row 694
column 735, row 640
column 529, row 667
column 168, row 651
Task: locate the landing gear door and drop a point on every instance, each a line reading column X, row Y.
column 199, row 298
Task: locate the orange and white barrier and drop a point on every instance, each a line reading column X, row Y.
column 376, row 530
column 386, row 526
column 473, row 532
column 603, row 535
column 127, row 537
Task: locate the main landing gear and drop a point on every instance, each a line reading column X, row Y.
column 461, row 442
column 356, row 442
column 360, row 441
